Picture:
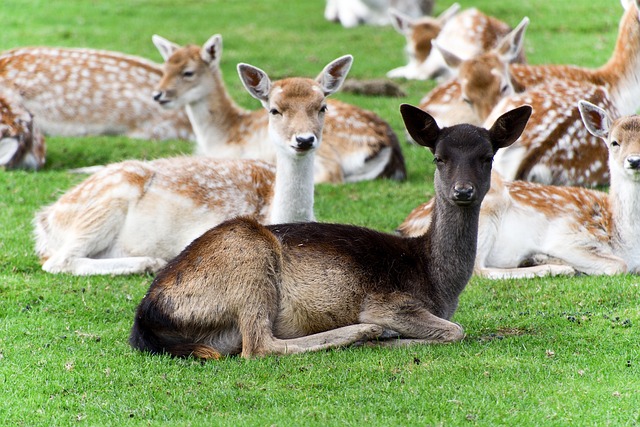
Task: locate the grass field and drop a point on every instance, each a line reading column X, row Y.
column 561, row 351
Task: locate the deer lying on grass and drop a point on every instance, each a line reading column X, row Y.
column 480, row 82
column 566, row 229
column 22, row 145
column 78, row 92
column 357, row 144
column 133, row 216
column 468, row 33
column 351, row 13
column 555, row 148
column 290, row 288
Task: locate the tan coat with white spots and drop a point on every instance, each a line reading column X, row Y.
column 78, row 92
column 22, row 145
column 529, row 229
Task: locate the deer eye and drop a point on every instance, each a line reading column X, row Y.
column 466, row 100
column 504, row 89
column 437, row 160
column 615, row 144
column 274, row 112
column 323, row 109
column 187, row 74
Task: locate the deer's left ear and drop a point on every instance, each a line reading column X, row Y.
column 334, row 74
column 509, row 126
column 256, row 81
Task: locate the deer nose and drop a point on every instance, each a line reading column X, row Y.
column 633, row 162
column 464, row 193
column 305, row 142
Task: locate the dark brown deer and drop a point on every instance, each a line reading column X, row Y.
column 246, row 288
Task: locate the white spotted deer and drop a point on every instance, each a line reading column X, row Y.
column 468, row 34
column 134, row 216
column 22, row 145
column 357, row 144
column 79, row 92
column 559, row 229
column 481, row 80
column 351, row 13
column 555, row 148
column 243, row 288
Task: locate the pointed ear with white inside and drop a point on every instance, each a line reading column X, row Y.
column 510, row 46
column 452, row 60
column 211, row 51
column 334, row 74
column 164, row 46
column 256, row 81
column 595, row 119
column 400, row 21
column 449, row 13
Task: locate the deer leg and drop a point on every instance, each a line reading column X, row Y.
column 89, row 266
column 409, row 318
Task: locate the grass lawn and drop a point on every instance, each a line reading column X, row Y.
column 562, row 351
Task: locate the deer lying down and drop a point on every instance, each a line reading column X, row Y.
column 290, row 288
column 529, row 230
column 134, row 216
column 78, row 92
column 357, row 144
column 22, row 145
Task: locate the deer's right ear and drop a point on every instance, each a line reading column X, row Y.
column 509, row 126
column 420, row 125
column 164, row 46
column 510, row 46
column 595, row 119
column 449, row 13
column 452, row 60
column 256, row 81
column 211, row 51
column 400, row 22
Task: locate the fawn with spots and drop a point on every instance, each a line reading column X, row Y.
column 561, row 230
column 357, row 144
column 79, row 92
column 22, row 145
column 134, row 216
column 243, row 288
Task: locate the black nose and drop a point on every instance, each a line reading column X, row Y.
column 305, row 142
column 157, row 95
column 464, row 192
column 634, row 162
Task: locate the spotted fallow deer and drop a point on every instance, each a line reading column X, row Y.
column 559, row 229
column 351, row 13
column 78, row 92
column 290, row 288
column 481, row 81
column 357, row 144
column 555, row 148
column 134, row 216
column 22, row 145
column 468, row 33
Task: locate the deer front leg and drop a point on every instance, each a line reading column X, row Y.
column 409, row 318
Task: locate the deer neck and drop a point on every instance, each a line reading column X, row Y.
column 451, row 243
column 622, row 71
column 293, row 190
column 214, row 116
column 624, row 199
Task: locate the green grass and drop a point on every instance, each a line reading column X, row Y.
column 561, row 351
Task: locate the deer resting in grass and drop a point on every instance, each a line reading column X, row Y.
column 134, row 216
column 22, row 145
column 357, row 144
column 561, row 230
column 255, row 290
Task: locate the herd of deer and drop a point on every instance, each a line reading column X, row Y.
column 241, row 265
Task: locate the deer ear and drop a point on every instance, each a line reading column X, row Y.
column 211, row 51
column 510, row 46
column 420, row 125
column 333, row 75
column 509, row 126
column 256, row 81
column 595, row 119
column 400, row 22
column 452, row 60
column 449, row 13
column 164, row 46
